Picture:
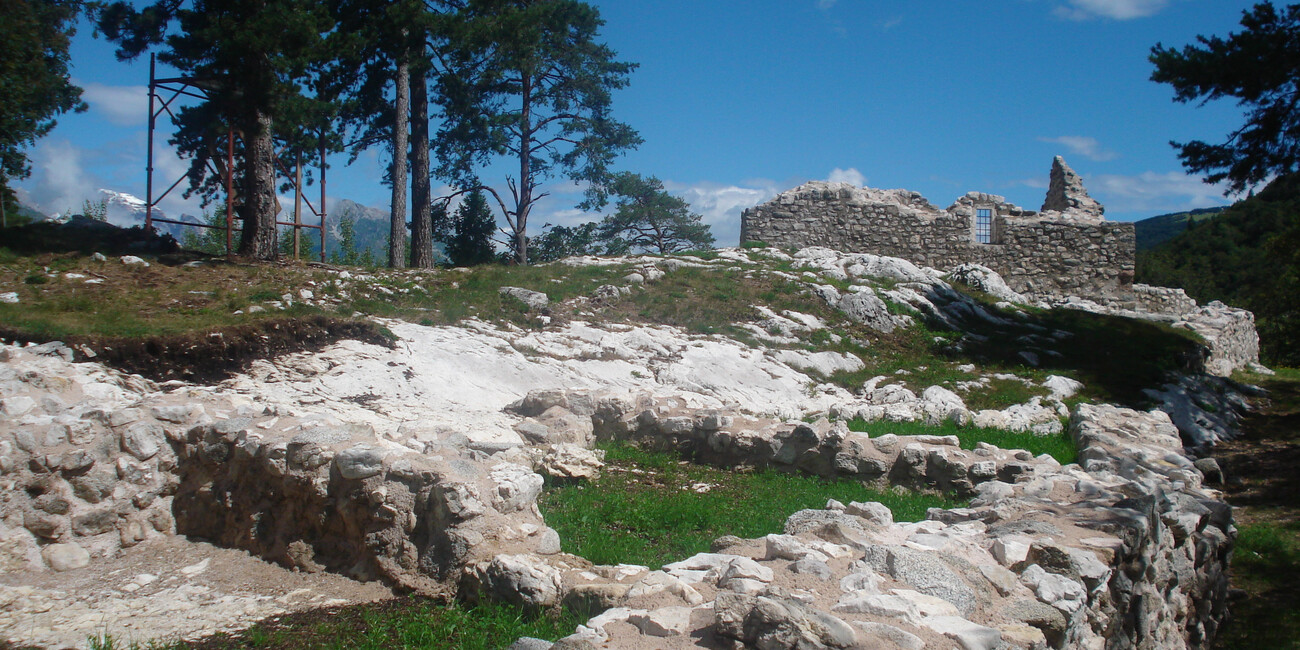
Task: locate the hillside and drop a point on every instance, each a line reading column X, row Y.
column 1159, row 229
column 1243, row 258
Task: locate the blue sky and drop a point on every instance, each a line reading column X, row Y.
column 740, row 100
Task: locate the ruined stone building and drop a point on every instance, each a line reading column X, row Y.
column 1066, row 248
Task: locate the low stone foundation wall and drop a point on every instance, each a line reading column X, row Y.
column 1162, row 300
column 1124, row 550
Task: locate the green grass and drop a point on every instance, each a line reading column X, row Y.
column 1001, row 393
column 1058, row 446
column 1266, row 561
column 1115, row 357
column 643, row 509
column 400, row 623
column 708, row 301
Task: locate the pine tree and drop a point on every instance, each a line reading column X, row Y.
column 1260, row 68
column 34, row 39
column 532, row 83
column 382, row 48
column 346, row 251
column 470, row 243
column 252, row 57
column 650, row 219
column 559, row 242
column 210, row 240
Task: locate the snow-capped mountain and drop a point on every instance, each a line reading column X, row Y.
column 126, row 210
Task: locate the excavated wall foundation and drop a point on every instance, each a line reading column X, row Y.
column 1126, row 549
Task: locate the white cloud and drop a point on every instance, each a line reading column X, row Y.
column 891, row 23
column 1113, row 9
column 721, row 205
column 1084, row 146
column 1155, row 192
column 65, row 175
column 120, row 105
column 850, row 175
column 1036, row 183
column 825, row 4
column 59, row 182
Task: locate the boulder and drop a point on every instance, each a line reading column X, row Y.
column 533, row 301
column 524, row 580
column 65, row 557
column 982, row 278
column 778, row 623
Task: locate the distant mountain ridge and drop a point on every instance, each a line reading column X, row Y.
column 370, row 227
column 1159, row 229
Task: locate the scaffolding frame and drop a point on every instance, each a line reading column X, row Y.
column 194, row 87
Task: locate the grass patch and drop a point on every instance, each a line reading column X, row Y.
column 1001, row 393
column 398, row 623
column 708, row 301
column 1115, row 357
column 1265, row 562
column 1058, row 446
column 644, row 508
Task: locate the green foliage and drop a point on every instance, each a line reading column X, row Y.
column 1260, row 68
column 558, row 242
column 1058, row 446
column 210, row 240
column 346, row 252
column 1160, row 229
column 470, row 242
column 650, row 219
column 34, row 81
column 307, row 243
column 1247, row 257
column 95, row 210
column 531, row 82
column 254, row 58
column 1266, row 559
column 646, row 508
column 398, row 623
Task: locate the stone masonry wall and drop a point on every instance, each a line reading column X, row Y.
column 1035, row 253
column 1123, row 550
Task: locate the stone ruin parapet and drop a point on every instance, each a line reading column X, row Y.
column 1066, row 249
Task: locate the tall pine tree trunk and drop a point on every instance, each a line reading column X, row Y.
column 260, row 206
column 524, row 204
column 397, row 233
column 421, row 192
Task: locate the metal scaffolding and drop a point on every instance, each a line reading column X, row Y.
column 196, row 88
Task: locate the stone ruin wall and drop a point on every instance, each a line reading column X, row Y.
column 1054, row 252
column 1124, row 550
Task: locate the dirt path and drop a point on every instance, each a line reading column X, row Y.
column 1263, row 484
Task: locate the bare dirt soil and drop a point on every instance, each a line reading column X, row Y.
column 216, row 353
column 1262, row 470
column 165, row 589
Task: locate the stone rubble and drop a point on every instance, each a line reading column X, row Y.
column 1124, row 550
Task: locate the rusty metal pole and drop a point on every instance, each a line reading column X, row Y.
column 297, row 202
column 230, row 188
column 322, row 197
column 148, row 157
